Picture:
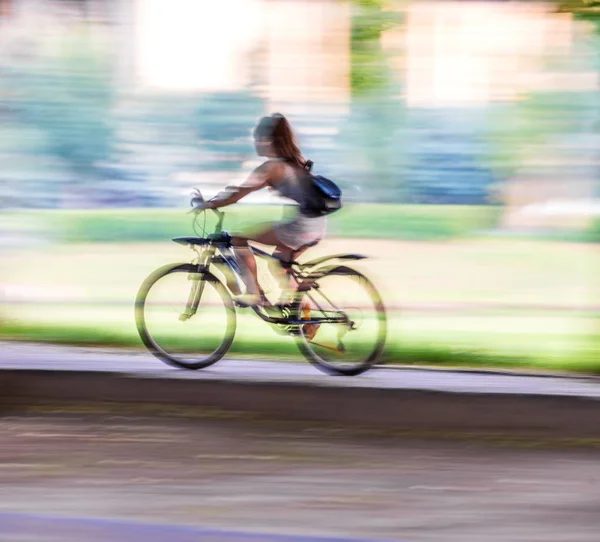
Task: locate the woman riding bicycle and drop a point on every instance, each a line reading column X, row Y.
column 284, row 172
column 333, row 311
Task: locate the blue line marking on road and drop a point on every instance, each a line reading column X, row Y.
column 75, row 529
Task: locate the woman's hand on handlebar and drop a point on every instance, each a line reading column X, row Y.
column 198, row 207
column 197, row 202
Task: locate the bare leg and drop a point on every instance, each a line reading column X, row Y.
column 248, row 262
column 285, row 253
column 287, row 283
column 282, row 274
column 289, row 286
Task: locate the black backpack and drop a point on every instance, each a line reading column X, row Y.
column 323, row 195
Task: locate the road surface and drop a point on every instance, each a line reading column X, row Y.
column 96, row 472
column 105, row 475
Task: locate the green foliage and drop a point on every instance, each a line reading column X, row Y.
column 400, row 348
column 414, row 222
column 593, row 232
column 371, row 138
column 582, row 7
column 223, row 122
column 150, row 224
column 537, row 119
column 423, row 222
column 68, row 95
column 370, row 72
column 515, row 128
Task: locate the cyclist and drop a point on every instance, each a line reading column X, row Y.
column 283, row 171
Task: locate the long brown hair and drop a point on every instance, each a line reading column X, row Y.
column 277, row 129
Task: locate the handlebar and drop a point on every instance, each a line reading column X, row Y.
column 221, row 215
column 198, row 199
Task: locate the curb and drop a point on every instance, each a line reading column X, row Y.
column 490, row 371
column 387, row 366
column 387, row 409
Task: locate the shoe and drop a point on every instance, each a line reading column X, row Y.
column 309, row 330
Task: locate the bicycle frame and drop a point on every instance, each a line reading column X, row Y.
column 226, row 262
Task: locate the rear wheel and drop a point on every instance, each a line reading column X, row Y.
column 353, row 339
column 184, row 317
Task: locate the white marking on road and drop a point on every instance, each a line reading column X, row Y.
column 449, row 488
column 526, row 482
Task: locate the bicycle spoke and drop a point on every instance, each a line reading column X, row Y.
column 350, row 322
column 195, row 338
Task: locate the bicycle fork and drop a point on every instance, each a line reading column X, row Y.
column 197, row 279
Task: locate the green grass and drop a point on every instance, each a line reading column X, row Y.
column 364, row 221
column 382, row 221
column 480, row 339
column 411, row 352
column 83, row 294
column 414, row 222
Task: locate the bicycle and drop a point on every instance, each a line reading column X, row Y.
column 337, row 348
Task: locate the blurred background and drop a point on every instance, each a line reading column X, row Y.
column 466, row 137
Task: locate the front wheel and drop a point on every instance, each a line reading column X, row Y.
column 348, row 326
column 185, row 317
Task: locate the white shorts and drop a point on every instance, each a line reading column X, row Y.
column 301, row 231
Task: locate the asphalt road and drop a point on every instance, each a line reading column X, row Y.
column 45, row 528
column 103, row 475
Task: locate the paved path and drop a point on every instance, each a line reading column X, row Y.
column 50, row 357
column 91, row 473
column 83, row 477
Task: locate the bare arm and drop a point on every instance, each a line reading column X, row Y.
column 261, row 177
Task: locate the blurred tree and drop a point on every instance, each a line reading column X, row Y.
column 424, row 155
column 517, row 127
column 370, row 72
column 444, row 165
column 65, row 90
column 581, row 8
column 154, row 143
column 223, row 123
column 589, row 10
column 371, row 137
column 543, row 117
